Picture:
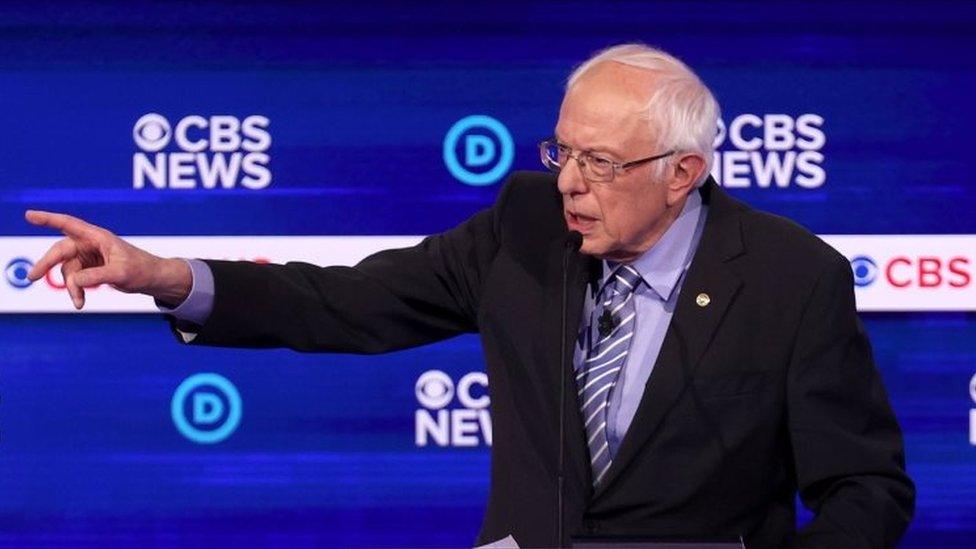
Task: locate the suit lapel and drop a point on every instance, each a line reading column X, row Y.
column 692, row 327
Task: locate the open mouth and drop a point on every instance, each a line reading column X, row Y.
column 579, row 222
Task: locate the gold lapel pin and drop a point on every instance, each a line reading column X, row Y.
column 703, row 300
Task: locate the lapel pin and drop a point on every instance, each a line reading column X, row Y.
column 703, row 300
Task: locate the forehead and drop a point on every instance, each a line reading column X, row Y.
column 606, row 108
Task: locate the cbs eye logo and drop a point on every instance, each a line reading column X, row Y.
column 206, row 408
column 151, row 132
column 865, row 270
column 16, row 272
column 434, row 390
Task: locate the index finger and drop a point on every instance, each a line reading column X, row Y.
column 69, row 225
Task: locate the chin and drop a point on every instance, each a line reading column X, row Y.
column 607, row 251
column 591, row 247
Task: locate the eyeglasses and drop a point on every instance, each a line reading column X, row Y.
column 593, row 167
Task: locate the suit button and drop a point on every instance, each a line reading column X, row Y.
column 592, row 527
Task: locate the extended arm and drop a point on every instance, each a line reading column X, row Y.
column 391, row 300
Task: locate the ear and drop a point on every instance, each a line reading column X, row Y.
column 686, row 170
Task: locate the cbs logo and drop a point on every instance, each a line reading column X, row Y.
column 865, row 270
column 152, row 132
column 219, row 151
column 16, row 272
column 436, row 424
column 435, row 390
column 916, row 272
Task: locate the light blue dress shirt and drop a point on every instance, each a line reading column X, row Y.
column 663, row 269
column 198, row 304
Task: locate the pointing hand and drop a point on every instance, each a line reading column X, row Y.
column 90, row 255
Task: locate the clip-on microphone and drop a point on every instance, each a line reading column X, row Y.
column 606, row 323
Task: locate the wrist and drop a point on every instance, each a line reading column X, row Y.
column 173, row 281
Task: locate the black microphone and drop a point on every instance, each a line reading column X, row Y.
column 574, row 239
column 606, row 323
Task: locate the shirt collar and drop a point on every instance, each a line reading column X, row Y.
column 663, row 264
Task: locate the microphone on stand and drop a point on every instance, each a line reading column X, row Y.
column 574, row 240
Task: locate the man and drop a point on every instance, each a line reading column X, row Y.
column 714, row 364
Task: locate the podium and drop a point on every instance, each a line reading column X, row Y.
column 629, row 542
column 592, row 542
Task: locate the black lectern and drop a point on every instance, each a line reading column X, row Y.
column 591, row 542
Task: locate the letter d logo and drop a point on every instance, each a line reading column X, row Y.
column 206, row 408
column 488, row 150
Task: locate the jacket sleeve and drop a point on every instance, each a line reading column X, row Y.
column 847, row 446
column 391, row 300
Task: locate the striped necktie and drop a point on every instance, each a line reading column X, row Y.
column 605, row 356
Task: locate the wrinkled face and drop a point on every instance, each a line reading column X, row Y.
column 602, row 114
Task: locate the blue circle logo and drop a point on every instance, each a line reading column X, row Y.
column 206, row 408
column 478, row 150
column 16, row 272
column 865, row 270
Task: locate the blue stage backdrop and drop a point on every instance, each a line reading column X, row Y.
column 246, row 119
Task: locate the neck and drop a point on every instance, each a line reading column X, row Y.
column 671, row 214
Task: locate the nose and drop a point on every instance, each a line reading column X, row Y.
column 570, row 180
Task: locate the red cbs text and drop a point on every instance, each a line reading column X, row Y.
column 928, row 272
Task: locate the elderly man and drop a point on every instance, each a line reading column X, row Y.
column 682, row 374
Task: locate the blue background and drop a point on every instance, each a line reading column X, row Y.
column 360, row 98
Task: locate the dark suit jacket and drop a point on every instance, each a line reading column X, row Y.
column 768, row 389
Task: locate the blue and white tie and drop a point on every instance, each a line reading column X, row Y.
column 605, row 357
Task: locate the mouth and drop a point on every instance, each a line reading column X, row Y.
column 579, row 222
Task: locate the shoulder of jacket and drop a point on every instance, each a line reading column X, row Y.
column 784, row 241
column 529, row 205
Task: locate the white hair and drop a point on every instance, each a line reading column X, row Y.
column 681, row 109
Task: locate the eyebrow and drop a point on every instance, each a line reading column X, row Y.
column 598, row 149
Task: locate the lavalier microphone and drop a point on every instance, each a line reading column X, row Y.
column 606, row 323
